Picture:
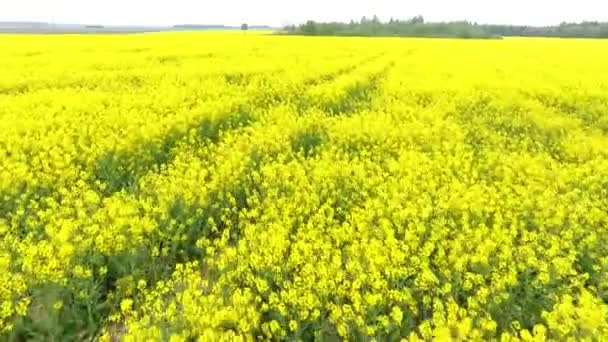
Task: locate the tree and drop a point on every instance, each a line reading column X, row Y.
column 418, row 19
column 309, row 28
column 245, row 27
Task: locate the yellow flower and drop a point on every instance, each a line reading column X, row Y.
column 57, row 305
column 293, row 325
column 126, row 305
column 397, row 315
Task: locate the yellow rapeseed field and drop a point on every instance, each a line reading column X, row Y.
column 215, row 186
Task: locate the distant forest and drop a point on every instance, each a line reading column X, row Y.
column 418, row 27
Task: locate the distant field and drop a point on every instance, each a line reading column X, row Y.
column 59, row 28
column 185, row 186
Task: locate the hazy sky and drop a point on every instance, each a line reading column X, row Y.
column 277, row 12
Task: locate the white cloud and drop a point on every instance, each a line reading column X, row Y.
column 275, row 12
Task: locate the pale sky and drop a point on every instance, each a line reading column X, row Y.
column 277, row 12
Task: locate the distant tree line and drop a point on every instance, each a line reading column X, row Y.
column 418, row 27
